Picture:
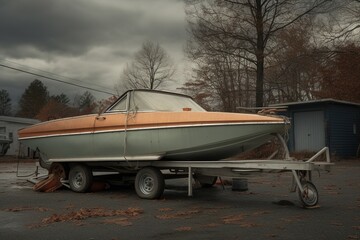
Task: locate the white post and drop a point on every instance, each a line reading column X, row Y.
column 190, row 190
column 328, row 155
column 324, row 149
column 283, row 143
column 296, row 177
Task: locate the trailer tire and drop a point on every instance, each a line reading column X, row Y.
column 309, row 197
column 149, row 183
column 59, row 169
column 80, row 178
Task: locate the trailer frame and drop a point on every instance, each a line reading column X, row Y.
column 300, row 169
column 149, row 176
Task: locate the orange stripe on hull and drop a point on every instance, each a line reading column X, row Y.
column 120, row 121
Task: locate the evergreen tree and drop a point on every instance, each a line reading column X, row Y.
column 5, row 103
column 33, row 99
column 62, row 98
column 86, row 103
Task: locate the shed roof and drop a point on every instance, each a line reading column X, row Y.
column 18, row 120
column 325, row 100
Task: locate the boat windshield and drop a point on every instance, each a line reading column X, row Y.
column 148, row 101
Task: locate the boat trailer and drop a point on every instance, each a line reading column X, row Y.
column 206, row 172
column 300, row 170
column 149, row 180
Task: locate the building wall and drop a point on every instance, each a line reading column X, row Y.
column 341, row 126
column 309, row 129
column 11, row 126
column 343, row 129
column 293, row 110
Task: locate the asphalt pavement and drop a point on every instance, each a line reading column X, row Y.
column 266, row 211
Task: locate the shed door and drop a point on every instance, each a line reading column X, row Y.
column 309, row 129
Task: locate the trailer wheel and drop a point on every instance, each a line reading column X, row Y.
column 149, row 183
column 59, row 169
column 80, row 178
column 309, row 197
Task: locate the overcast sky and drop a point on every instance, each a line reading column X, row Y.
column 88, row 40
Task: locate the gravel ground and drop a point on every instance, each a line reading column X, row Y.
column 266, row 211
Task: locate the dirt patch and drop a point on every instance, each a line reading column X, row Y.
column 20, row 209
column 165, row 209
column 183, row 229
column 82, row 214
column 332, row 189
column 239, row 219
column 122, row 221
column 169, row 213
column 234, row 219
column 245, row 220
column 179, row 214
column 297, row 218
column 211, row 225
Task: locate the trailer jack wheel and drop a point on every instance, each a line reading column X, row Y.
column 149, row 183
column 309, row 196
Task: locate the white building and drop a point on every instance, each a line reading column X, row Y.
column 9, row 127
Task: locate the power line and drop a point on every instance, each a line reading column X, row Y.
column 56, row 80
column 22, row 66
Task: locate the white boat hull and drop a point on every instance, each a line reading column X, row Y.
column 200, row 142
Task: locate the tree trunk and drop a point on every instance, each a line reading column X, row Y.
column 259, row 55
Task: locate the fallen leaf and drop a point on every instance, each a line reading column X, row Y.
column 260, row 213
column 85, row 213
column 20, row 209
column 183, row 229
column 271, row 235
column 249, row 225
column 234, row 219
column 178, row 214
column 118, row 221
column 165, row 209
column 337, row 224
column 211, row 225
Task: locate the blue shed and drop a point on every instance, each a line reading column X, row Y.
column 326, row 122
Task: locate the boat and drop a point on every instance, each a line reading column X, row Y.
column 151, row 125
column 147, row 136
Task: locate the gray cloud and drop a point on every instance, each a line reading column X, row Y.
column 65, row 27
column 73, row 27
column 89, row 40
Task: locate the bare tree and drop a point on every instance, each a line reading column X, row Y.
column 224, row 82
column 342, row 24
column 340, row 76
column 293, row 72
column 151, row 68
column 245, row 28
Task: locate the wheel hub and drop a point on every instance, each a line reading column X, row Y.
column 78, row 181
column 147, row 184
column 308, row 195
